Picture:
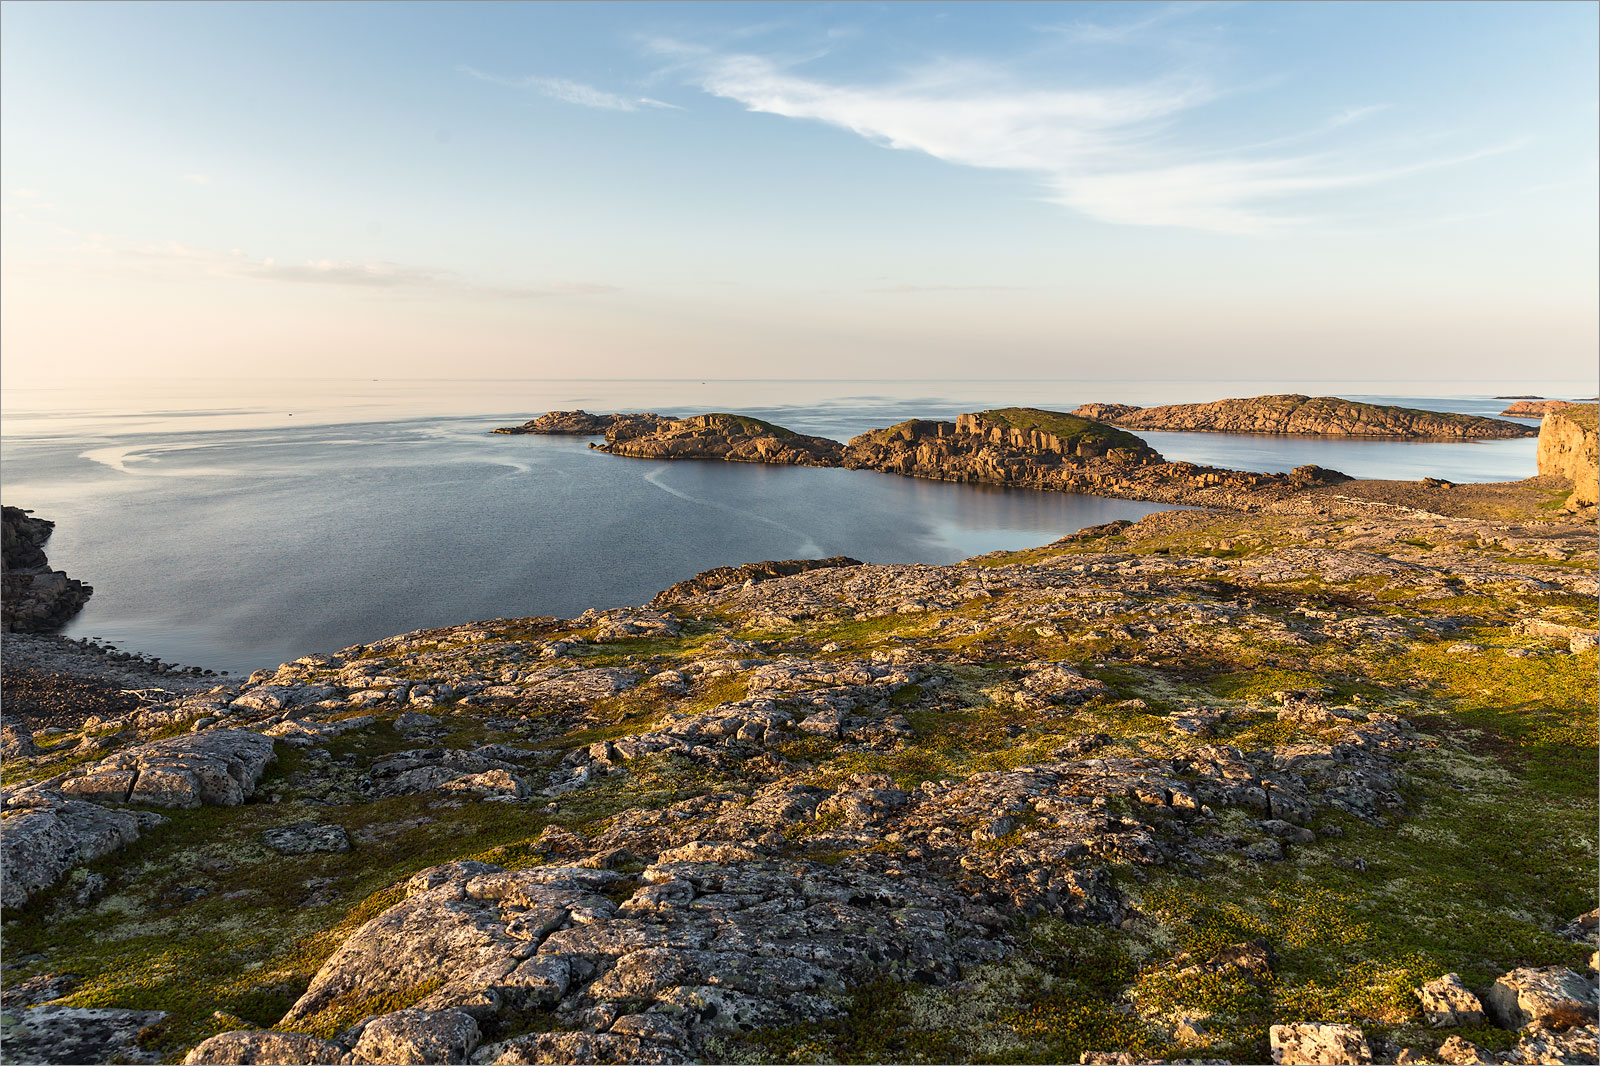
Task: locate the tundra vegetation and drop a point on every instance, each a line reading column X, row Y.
column 1211, row 785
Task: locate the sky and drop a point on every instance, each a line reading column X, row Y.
column 1385, row 191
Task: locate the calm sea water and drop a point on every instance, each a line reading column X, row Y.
column 237, row 528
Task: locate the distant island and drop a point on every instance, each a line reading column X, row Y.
column 1313, row 416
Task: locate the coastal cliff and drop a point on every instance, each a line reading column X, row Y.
column 1568, row 448
column 735, row 438
column 36, row 598
column 1323, row 416
column 1048, row 450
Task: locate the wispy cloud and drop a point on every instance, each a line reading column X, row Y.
column 1356, row 114
column 360, row 273
column 572, row 92
column 197, row 179
column 1115, row 153
column 1085, row 31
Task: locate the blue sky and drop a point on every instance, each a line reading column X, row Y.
column 1096, row 191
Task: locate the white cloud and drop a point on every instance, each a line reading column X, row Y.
column 1113, row 154
column 173, row 257
column 573, row 92
column 197, row 179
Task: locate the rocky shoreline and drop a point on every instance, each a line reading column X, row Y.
column 1313, row 783
column 36, row 599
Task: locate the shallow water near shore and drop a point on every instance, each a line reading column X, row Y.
column 237, row 531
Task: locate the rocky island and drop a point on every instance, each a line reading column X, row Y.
column 583, row 424
column 1324, row 416
column 1023, row 447
column 1309, row 784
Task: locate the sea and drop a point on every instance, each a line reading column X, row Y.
column 234, row 525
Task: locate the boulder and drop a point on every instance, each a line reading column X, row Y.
column 50, row 834
column 1458, row 1052
column 80, row 1034
column 1550, row 997
column 1576, row 1045
column 1447, row 1002
column 305, row 837
column 417, row 1036
column 256, row 1047
column 1310, row 1044
column 219, row 767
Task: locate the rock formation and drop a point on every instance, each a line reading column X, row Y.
column 36, row 599
column 1035, row 449
column 584, row 424
column 736, row 438
column 1568, row 449
column 1324, row 416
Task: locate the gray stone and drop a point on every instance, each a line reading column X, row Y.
column 1550, row 997
column 415, row 1037
column 305, row 837
column 79, row 1034
column 1576, row 1045
column 45, row 834
column 256, row 1047
column 1458, row 1052
column 1447, row 1002
column 1310, row 1044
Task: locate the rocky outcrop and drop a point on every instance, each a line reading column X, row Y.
column 1047, row 450
column 1447, row 1002
column 36, row 599
column 1319, row 1045
column 1322, row 416
column 584, row 424
column 1568, row 448
column 749, row 573
column 51, row 1033
column 54, row 826
column 1550, row 997
column 1024, row 808
column 735, row 438
column 45, row 834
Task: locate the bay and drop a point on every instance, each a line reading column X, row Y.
column 235, row 527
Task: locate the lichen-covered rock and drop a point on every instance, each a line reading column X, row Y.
column 1447, row 1002
column 1458, row 1052
column 255, row 1047
column 417, row 1037
column 557, row 1049
column 1574, row 1046
column 45, row 834
column 50, row 1033
column 219, row 767
column 1309, row 1044
column 1550, row 997
column 302, row 838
